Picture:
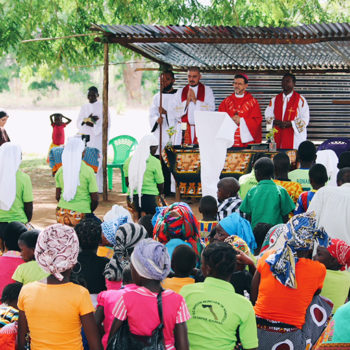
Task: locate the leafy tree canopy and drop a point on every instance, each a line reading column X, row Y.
column 27, row 19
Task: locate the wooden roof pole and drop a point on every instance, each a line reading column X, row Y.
column 105, row 121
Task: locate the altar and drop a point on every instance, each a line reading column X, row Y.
column 184, row 164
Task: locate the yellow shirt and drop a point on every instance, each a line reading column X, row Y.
column 53, row 313
column 176, row 283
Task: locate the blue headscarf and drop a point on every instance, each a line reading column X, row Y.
column 302, row 234
column 109, row 228
column 234, row 224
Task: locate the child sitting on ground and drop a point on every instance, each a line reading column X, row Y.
column 106, row 301
column 306, row 157
column 318, row 178
column 30, row 271
column 209, row 209
column 266, row 202
column 183, row 262
column 281, row 164
column 228, row 197
column 9, row 316
column 336, row 258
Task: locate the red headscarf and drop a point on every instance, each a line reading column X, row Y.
column 341, row 251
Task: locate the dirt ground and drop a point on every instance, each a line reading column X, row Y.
column 45, row 202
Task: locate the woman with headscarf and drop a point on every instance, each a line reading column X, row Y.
column 285, row 289
column 234, row 224
column 150, row 264
column 54, row 309
column 336, row 258
column 126, row 237
column 177, row 225
column 16, row 196
column 144, row 176
column 76, row 187
column 3, row 134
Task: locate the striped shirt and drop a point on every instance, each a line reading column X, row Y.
column 228, row 206
column 139, row 306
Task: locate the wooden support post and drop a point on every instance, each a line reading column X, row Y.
column 105, row 121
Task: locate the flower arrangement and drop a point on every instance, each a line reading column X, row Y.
column 270, row 136
column 171, row 132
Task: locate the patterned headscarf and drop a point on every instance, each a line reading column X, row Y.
column 234, row 224
column 238, row 244
column 151, row 260
column 275, row 238
column 57, row 249
column 302, row 234
column 177, row 221
column 127, row 236
column 109, row 228
column 341, row 251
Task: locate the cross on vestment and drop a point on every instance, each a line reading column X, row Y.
column 290, row 110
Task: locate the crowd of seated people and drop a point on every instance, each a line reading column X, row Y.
column 252, row 273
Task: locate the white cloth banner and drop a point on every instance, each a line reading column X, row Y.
column 215, row 133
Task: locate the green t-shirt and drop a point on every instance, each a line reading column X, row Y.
column 24, row 194
column 29, row 272
column 267, row 203
column 153, row 175
column 336, row 287
column 216, row 313
column 81, row 201
column 246, row 182
column 301, row 176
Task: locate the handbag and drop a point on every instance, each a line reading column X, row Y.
column 123, row 339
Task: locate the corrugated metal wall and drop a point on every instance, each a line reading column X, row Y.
column 326, row 118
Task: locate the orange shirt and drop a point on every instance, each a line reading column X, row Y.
column 176, row 283
column 284, row 304
column 294, row 189
column 53, row 313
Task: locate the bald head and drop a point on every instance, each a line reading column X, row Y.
column 227, row 187
column 343, row 176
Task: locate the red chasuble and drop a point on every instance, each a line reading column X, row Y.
column 247, row 107
column 284, row 138
column 200, row 97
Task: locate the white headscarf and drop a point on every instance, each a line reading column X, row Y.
column 71, row 163
column 10, row 159
column 137, row 166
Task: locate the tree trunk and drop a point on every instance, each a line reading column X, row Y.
column 132, row 81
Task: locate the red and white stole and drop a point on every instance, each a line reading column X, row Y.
column 285, row 137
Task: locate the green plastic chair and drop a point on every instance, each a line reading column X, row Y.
column 122, row 145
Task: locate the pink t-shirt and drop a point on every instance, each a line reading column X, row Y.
column 107, row 299
column 115, row 285
column 137, row 304
column 8, row 265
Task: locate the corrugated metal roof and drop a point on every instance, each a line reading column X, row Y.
column 314, row 47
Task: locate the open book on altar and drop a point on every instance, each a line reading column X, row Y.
column 215, row 133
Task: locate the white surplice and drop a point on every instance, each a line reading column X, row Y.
column 180, row 109
column 168, row 119
column 299, row 124
column 94, row 132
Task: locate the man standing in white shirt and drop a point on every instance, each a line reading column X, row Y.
column 193, row 97
column 90, row 122
column 288, row 112
column 332, row 207
column 165, row 117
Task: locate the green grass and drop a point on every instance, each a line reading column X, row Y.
column 31, row 163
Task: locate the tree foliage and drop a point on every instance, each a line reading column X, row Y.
column 28, row 19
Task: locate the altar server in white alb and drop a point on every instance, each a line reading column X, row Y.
column 193, row 97
column 163, row 117
column 166, row 118
column 288, row 112
column 90, row 122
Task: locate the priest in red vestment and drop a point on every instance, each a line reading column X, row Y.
column 244, row 109
column 288, row 112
